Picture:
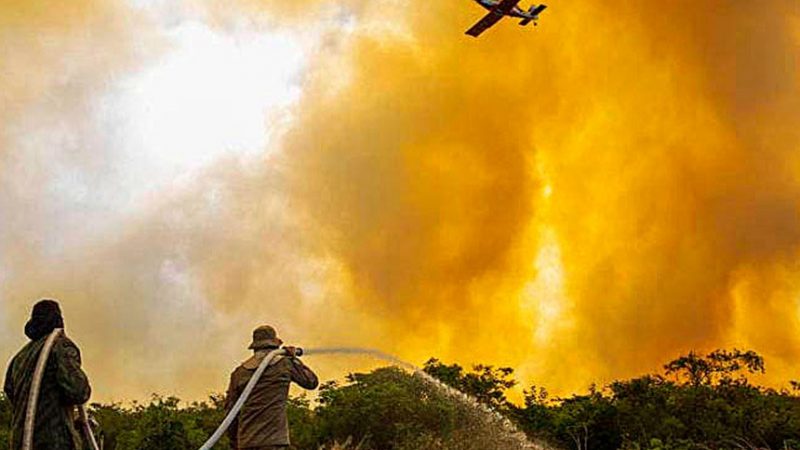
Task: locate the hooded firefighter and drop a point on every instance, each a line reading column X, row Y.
column 64, row 385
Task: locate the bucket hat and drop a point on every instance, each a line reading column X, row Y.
column 265, row 337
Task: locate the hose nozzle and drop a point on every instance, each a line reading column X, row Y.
column 297, row 351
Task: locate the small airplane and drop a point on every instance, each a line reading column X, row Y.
column 504, row 8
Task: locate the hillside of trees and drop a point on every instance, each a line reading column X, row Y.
column 697, row 402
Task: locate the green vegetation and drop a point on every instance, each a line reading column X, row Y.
column 5, row 420
column 161, row 424
column 702, row 402
column 698, row 402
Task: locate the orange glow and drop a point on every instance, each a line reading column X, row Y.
column 582, row 201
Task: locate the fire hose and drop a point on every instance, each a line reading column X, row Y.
column 33, row 397
column 248, row 389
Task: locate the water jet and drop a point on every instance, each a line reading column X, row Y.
column 495, row 417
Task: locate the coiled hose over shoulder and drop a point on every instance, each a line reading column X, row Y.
column 226, row 423
column 33, row 397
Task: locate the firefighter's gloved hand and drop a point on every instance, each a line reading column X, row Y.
column 291, row 351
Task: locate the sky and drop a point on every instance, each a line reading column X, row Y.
column 582, row 201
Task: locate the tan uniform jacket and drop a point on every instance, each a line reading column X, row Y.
column 262, row 421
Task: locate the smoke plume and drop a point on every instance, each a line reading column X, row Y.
column 581, row 201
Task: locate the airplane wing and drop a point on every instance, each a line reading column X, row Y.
column 484, row 24
column 494, row 16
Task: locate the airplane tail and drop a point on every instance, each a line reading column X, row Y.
column 533, row 14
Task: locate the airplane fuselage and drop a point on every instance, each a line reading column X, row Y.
column 515, row 12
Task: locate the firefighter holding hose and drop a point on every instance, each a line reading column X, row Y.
column 64, row 386
column 262, row 423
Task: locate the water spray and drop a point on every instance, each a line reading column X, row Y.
column 33, row 397
column 495, row 416
column 454, row 393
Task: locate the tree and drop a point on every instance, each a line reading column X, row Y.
column 384, row 410
column 159, row 425
column 720, row 366
column 644, row 408
column 588, row 421
column 486, row 384
column 536, row 414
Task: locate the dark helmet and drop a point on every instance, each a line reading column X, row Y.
column 45, row 317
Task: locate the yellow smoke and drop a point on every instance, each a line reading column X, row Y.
column 581, row 201
column 651, row 145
